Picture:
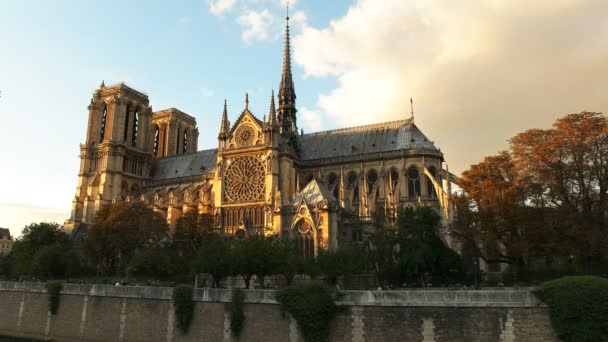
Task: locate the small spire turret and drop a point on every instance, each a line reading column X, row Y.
column 103, row 84
column 272, row 114
column 247, row 101
column 225, row 125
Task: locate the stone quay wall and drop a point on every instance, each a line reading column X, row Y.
column 125, row 313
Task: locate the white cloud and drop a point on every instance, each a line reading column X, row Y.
column 207, row 92
column 255, row 25
column 312, row 118
column 479, row 70
column 219, row 7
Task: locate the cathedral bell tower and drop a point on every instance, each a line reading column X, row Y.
column 115, row 158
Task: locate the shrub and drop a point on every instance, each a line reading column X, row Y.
column 578, row 307
column 313, row 308
column 53, row 289
column 184, row 306
column 237, row 316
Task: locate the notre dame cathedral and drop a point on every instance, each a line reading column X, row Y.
column 265, row 177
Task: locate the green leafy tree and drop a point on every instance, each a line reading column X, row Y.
column 255, row 255
column 191, row 231
column 119, row 229
column 344, row 261
column 290, row 260
column 213, row 258
column 381, row 247
column 55, row 261
column 33, row 239
column 155, row 262
column 421, row 252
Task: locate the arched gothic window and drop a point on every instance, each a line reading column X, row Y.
column 305, row 238
column 156, row 139
column 333, row 181
column 372, row 181
column 126, row 130
column 177, row 142
column 430, row 188
column 104, row 115
column 413, row 185
column 135, row 128
column 185, row 149
column 353, row 185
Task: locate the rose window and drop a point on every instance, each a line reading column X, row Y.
column 245, row 135
column 244, row 179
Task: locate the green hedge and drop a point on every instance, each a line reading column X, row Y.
column 237, row 316
column 183, row 306
column 313, row 307
column 53, row 289
column 578, row 307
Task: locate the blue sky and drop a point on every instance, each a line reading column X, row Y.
column 479, row 72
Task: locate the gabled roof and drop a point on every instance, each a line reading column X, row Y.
column 5, row 233
column 382, row 137
column 243, row 114
column 313, row 193
column 184, row 165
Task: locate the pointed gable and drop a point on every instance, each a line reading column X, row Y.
column 314, row 194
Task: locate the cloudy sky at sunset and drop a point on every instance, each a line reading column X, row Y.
column 479, row 72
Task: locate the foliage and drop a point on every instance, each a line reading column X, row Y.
column 55, row 261
column 578, row 307
column 255, row 255
column 154, row 262
column 213, row 258
column 346, row 260
column 289, row 259
column 421, row 251
column 237, row 316
column 33, row 239
column 191, row 232
column 312, row 306
column 183, row 306
column 120, row 228
column 411, row 251
column 545, row 197
column 53, row 289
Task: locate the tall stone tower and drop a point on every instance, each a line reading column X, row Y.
column 116, row 156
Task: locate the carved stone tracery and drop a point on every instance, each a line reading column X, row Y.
column 244, row 179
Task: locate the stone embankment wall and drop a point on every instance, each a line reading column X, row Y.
column 123, row 313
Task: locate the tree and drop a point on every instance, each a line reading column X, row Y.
column 213, row 258
column 344, row 261
column 33, row 239
column 381, row 247
column 493, row 218
column 422, row 253
column 255, row 255
column 290, row 260
column 154, row 262
column 191, row 231
column 54, row 261
column 566, row 173
column 120, row 228
column 547, row 197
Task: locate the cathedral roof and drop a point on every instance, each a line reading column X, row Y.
column 314, row 193
column 376, row 138
column 184, row 165
column 5, row 233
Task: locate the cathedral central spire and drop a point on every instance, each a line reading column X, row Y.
column 287, row 94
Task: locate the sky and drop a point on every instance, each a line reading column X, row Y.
column 479, row 72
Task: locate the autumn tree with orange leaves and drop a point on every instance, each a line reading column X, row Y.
column 545, row 197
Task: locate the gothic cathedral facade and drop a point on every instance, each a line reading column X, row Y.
column 265, row 177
